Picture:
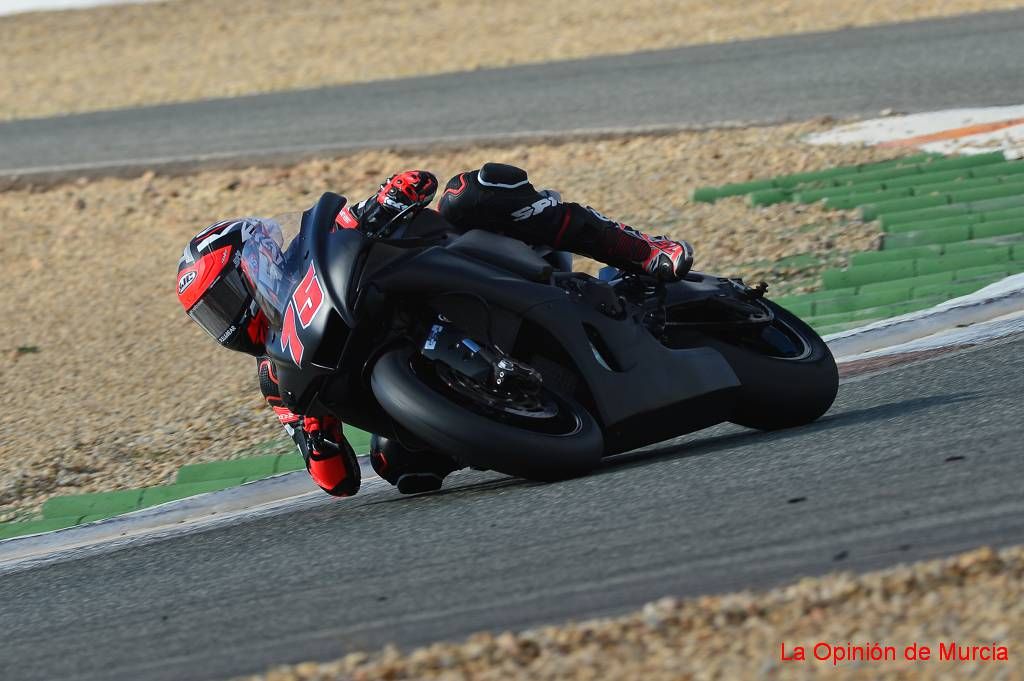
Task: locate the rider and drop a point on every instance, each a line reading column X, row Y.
column 213, row 289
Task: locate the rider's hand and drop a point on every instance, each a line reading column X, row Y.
column 407, row 189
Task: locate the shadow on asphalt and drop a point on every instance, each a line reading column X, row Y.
column 702, row 446
column 482, row 487
column 674, row 449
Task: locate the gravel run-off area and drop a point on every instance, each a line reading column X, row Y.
column 56, row 63
column 113, row 386
column 971, row 606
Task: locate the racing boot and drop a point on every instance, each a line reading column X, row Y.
column 398, row 199
column 411, row 472
column 329, row 457
column 627, row 248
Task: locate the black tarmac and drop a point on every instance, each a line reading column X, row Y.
column 921, row 461
column 964, row 61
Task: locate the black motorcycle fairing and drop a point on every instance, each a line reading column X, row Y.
column 508, row 254
column 642, row 375
column 306, row 347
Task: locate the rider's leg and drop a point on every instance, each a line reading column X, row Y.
column 411, row 472
column 500, row 197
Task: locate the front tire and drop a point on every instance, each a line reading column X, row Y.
column 568, row 444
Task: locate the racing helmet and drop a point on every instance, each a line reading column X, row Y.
column 213, row 288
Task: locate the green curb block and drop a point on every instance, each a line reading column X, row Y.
column 963, row 184
column 712, row 194
column 218, row 470
column 861, row 301
column 866, row 274
column 910, row 282
column 992, row 209
column 161, row 494
column 767, row 197
column 872, row 211
column 902, row 172
column 931, row 250
column 801, row 308
column 999, row 169
column 290, row 462
column 967, row 161
column 866, row 198
column 976, row 244
column 826, row 295
column 11, row 530
column 981, row 193
column 945, row 283
column 940, row 235
column 959, row 261
column 927, row 178
column 900, row 269
column 191, row 480
column 812, row 195
column 888, row 220
column 791, row 181
column 948, row 292
column 890, row 254
column 879, row 176
column 89, row 504
column 1003, row 269
column 936, row 223
column 814, row 176
column 981, row 230
column 866, row 315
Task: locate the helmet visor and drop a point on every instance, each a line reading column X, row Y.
column 221, row 308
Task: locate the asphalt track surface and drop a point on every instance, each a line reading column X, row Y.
column 964, row 61
column 921, row 461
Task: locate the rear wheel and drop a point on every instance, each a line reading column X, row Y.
column 540, row 435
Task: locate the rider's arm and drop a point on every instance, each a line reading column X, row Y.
column 329, row 457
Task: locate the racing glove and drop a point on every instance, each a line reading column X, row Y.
column 407, row 192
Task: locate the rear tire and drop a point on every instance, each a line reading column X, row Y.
column 782, row 392
column 435, row 414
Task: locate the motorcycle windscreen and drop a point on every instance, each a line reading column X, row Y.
column 271, row 263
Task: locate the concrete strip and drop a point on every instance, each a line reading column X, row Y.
column 996, row 300
column 983, row 332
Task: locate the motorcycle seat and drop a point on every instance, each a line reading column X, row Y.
column 508, row 254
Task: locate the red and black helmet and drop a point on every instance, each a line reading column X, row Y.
column 215, row 293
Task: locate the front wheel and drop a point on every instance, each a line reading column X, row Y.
column 788, row 374
column 546, row 437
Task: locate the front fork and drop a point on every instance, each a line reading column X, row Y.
column 483, row 365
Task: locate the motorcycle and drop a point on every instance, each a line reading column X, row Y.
column 483, row 348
